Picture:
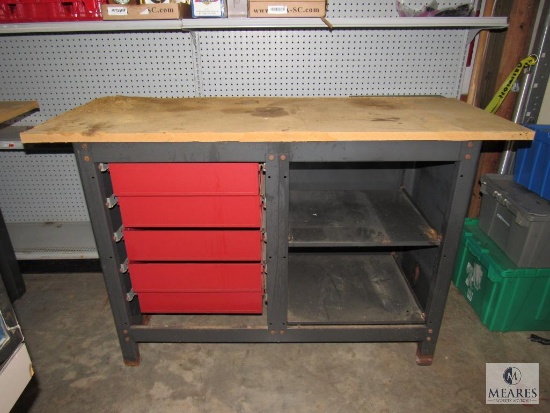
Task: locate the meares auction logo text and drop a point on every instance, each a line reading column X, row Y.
column 512, row 384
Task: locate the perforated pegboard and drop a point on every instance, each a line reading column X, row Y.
column 40, row 188
column 338, row 63
column 65, row 71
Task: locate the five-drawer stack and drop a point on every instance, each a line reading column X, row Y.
column 193, row 235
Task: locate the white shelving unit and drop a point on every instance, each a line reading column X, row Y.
column 258, row 23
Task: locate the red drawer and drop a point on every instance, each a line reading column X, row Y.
column 202, row 303
column 210, row 245
column 171, row 277
column 191, row 211
column 130, row 179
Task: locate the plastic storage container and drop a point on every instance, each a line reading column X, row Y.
column 29, row 11
column 532, row 168
column 505, row 297
column 517, row 220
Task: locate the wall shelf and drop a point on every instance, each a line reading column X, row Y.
column 477, row 23
column 52, row 240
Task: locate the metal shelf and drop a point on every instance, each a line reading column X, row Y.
column 356, row 218
column 9, row 137
column 52, row 240
column 349, row 288
column 258, row 23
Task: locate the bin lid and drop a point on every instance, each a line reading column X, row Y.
column 523, row 203
column 542, row 132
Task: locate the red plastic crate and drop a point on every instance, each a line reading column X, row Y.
column 202, row 303
column 184, row 277
column 29, row 11
column 243, row 211
column 186, row 179
column 209, row 245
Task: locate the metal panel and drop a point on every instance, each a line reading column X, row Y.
column 301, row 334
column 454, row 220
column 118, row 284
column 534, row 89
column 9, row 270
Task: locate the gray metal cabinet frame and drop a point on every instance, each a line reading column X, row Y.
column 130, row 323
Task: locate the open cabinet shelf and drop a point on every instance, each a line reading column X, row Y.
column 349, row 288
column 357, row 218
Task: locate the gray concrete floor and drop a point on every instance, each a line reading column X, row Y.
column 70, row 334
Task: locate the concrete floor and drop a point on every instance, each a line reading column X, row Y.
column 70, row 334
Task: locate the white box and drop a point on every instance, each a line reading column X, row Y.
column 208, row 8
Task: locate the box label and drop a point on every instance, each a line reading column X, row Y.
column 267, row 8
column 160, row 11
column 117, row 11
column 473, row 279
column 277, row 9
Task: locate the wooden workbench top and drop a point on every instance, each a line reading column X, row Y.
column 137, row 119
column 10, row 110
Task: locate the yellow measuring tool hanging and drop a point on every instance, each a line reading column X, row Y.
column 495, row 103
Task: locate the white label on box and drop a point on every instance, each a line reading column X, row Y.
column 117, row 11
column 145, row 11
column 277, row 9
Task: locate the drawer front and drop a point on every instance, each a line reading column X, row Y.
column 191, row 211
column 202, row 303
column 149, row 179
column 172, row 277
column 211, row 245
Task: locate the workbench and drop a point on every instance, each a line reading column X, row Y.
column 9, row 269
column 277, row 219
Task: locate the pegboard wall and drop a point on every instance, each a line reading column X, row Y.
column 341, row 63
column 63, row 71
column 40, row 188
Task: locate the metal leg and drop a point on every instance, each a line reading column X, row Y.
column 277, row 241
column 437, row 299
column 118, row 285
column 9, row 269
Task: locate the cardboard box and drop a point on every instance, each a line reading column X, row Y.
column 273, row 8
column 161, row 11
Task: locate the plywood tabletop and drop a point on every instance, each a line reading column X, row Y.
column 10, row 110
column 138, row 119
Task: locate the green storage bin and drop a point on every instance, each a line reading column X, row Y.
column 505, row 297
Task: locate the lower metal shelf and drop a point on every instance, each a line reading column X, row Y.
column 52, row 240
column 349, row 288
